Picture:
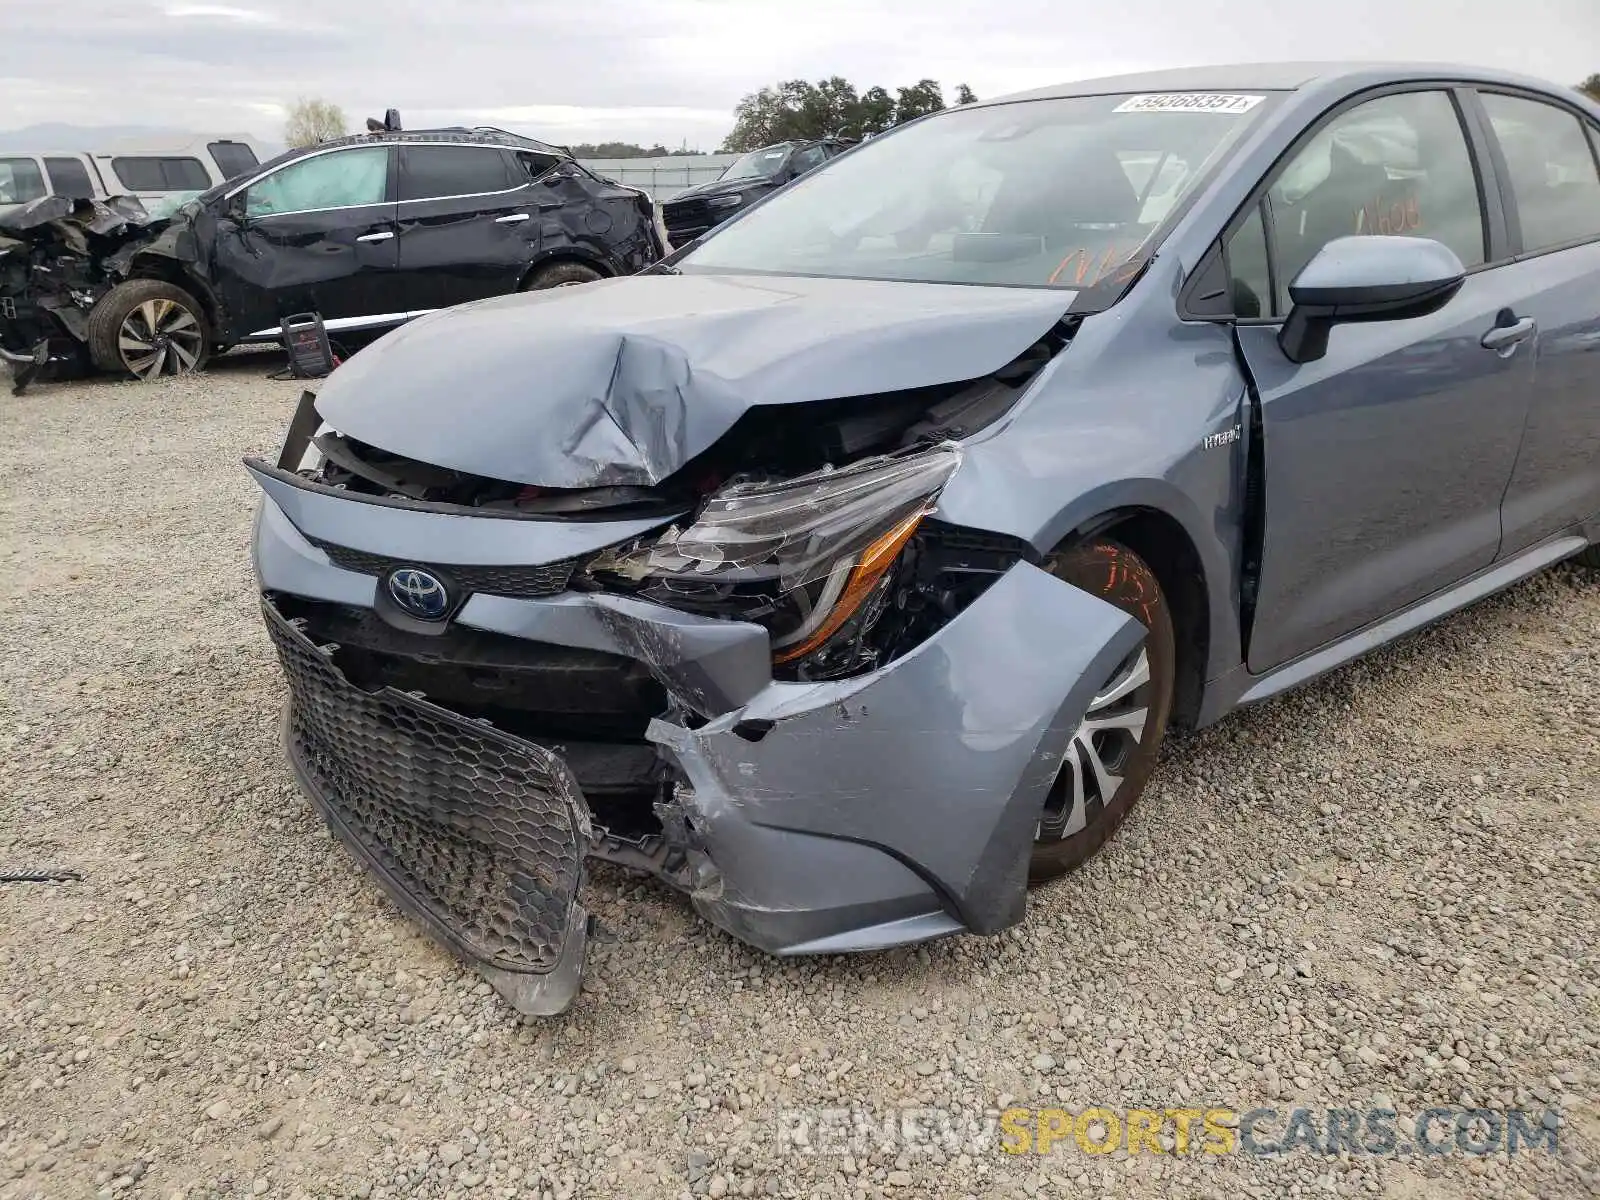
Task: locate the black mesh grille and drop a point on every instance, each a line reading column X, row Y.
column 479, row 835
column 547, row 579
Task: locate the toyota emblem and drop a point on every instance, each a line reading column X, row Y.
column 419, row 593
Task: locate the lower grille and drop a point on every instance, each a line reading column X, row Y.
column 479, row 835
column 524, row 582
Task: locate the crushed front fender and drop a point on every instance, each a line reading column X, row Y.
column 930, row 774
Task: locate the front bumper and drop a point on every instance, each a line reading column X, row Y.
column 801, row 817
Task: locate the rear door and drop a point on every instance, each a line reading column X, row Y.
column 1549, row 166
column 1385, row 461
column 467, row 223
column 315, row 235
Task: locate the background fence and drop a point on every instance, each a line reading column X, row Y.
column 663, row 178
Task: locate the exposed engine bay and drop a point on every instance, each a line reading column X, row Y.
column 58, row 258
column 832, row 616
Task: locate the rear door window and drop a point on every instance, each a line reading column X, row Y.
column 438, row 172
column 151, row 173
column 233, row 158
column 342, row 179
column 20, row 181
column 69, row 177
column 535, row 165
column 1552, row 168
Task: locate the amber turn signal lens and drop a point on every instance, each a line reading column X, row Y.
column 876, row 559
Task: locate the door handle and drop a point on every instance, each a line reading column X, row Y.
column 1506, row 337
column 376, row 237
column 513, row 219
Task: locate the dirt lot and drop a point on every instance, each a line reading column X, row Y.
column 1380, row 892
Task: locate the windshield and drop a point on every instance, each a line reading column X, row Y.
column 1041, row 192
column 758, row 164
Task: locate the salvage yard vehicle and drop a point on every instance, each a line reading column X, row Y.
column 368, row 231
column 847, row 570
column 747, row 179
column 158, row 172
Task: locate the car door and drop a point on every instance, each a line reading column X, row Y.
column 316, row 235
column 1384, row 461
column 1549, row 167
column 467, row 222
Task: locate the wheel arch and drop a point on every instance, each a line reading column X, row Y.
column 1161, row 540
column 567, row 254
column 170, row 270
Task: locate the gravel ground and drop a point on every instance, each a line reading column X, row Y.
column 1381, row 890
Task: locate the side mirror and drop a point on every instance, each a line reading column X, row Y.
column 1366, row 278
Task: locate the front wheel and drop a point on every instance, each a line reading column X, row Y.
column 1114, row 749
column 560, row 274
column 149, row 328
column 1589, row 557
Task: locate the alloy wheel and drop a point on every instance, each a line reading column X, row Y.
column 1092, row 767
column 160, row 337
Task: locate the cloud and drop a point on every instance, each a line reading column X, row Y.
column 221, row 12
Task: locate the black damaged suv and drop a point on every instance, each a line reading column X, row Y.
column 747, row 179
column 368, row 231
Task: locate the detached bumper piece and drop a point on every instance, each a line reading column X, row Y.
column 477, row 835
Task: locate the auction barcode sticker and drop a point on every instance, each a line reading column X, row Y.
column 1202, row 102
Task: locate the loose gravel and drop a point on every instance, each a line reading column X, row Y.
column 1382, row 890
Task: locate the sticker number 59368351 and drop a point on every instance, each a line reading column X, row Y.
column 1197, row 102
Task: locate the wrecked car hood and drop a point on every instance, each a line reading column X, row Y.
column 77, row 223
column 625, row 380
column 725, row 187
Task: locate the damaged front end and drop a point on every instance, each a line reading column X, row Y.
column 748, row 657
column 58, row 258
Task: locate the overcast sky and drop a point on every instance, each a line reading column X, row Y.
column 672, row 70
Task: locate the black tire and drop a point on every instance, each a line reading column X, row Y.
column 155, row 314
column 1120, row 577
column 560, row 274
column 1588, row 558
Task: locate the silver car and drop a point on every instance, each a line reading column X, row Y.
column 847, row 570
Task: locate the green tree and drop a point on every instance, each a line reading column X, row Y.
column 918, row 100
column 618, row 150
column 312, row 120
column 798, row 110
column 875, row 113
column 1591, row 86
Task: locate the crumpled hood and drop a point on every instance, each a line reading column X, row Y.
column 624, row 381
column 74, row 221
column 723, row 187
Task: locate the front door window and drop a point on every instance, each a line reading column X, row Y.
column 344, row 179
column 1395, row 165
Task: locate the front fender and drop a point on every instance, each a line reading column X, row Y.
column 1103, row 430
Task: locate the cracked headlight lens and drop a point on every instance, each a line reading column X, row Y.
column 802, row 556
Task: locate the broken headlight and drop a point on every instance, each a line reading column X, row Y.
column 810, row 557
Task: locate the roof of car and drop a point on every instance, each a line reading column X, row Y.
column 477, row 135
column 1263, row 77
